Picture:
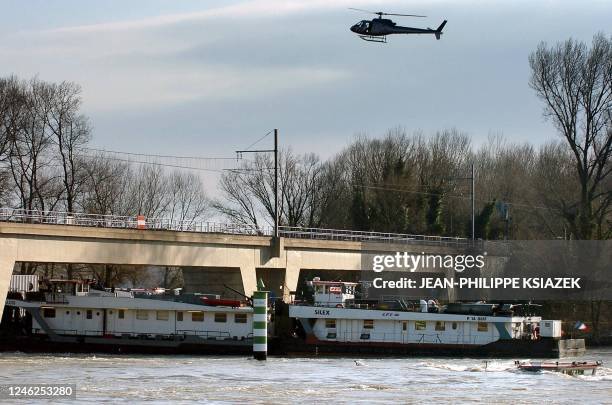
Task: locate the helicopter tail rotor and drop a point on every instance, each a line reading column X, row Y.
column 438, row 32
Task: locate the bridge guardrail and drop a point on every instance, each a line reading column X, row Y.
column 366, row 236
column 167, row 224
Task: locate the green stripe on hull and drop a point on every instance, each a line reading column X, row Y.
column 503, row 332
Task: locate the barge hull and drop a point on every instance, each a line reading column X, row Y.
column 36, row 345
column 544, row 348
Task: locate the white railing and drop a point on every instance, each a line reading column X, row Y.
column 362, row 236
column 125, row 222
column 166, row 224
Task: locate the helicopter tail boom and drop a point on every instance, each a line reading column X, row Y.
column 438, row 32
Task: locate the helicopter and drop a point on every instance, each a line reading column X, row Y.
column 377, row 29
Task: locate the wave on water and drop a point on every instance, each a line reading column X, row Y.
column 369, row 387
column 484, row 366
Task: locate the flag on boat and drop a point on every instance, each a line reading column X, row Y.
column 581, row 326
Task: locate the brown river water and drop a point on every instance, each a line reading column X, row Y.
column 233, row 380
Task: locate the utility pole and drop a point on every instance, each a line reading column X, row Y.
column 473, row 200
column 472, row 197
column 275, row 183
column 275, row 151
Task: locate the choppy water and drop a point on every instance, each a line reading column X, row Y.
column 182, row 379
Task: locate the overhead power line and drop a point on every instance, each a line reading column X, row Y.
column 156, row 155
column 199, row 163
column 259, row 140
column 158, row 164
column 460, row 197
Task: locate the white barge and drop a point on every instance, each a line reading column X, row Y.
column 70, row 315
column 334, row 322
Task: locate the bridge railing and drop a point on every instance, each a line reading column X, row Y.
column 131, row 222
column 362, row 236
column 66, row 218
column 125, row 222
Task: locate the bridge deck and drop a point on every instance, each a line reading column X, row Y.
column 165, row 224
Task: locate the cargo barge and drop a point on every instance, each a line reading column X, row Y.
column 335, row 322
column 78, row 316
column 75, row 316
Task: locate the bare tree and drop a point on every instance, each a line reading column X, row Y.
column 575, row 83
column 237, row 203
column 148, row 193
column 71, row 132
column 249, row 191
column 443, row 160
column 12, row 102
column 301, row 190
column 29, row 158
column 106, row 186
column 376, row 170
column 333, row 196
column 187, row 200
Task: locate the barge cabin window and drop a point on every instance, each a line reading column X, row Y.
column 197, row 316
column 142, row 314
column 454, row 325
column 121, row 314
column 89, row 314
column 179, row 316
column 240, row 318
column 162, row 315
column 483, row 327
column 368, row 324
column 49, row 312
column 220, row 318
column 330, row 323
column 440, row 326
column 420, row 325
column 404, row 326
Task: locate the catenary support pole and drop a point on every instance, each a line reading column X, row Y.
column 276, row 183
column 473, row 208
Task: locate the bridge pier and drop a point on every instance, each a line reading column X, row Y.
column 249, row 279
column 292, row 278
column 8, row 253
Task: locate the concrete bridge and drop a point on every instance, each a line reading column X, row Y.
column 207, row 252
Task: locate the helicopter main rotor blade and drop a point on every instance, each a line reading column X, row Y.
column 380, row 13
column 406, row 15
column 365, row 11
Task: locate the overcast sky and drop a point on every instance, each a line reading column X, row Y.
column 191, row 77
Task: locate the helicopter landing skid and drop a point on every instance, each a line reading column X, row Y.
column 370, row 38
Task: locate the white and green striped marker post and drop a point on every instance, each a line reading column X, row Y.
column 260, row 323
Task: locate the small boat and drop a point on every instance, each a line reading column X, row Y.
column 571, row 368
